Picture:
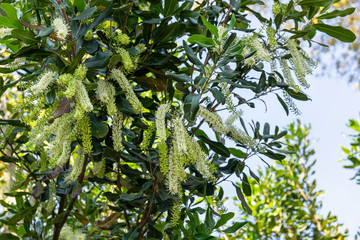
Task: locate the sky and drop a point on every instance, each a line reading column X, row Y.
column 333, row 103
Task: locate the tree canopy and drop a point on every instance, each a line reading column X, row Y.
column 111, row 137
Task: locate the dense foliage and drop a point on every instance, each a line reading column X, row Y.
column 109, row 138
column 285, row 202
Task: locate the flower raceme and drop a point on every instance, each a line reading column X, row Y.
column 60, row 27
column 123, row 82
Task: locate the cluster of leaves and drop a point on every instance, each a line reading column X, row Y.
column 353, row 152
column 348, row 64
column 286, row 203
column 130, row 199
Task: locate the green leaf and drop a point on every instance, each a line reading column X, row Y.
column 216, row 146
column 99, row 18
column 192, row 57
column 297, row 95
column 224, row 219
column 191, row 106
column 337, row 13
column 169, row 7
column 238, row 153
column 100, row 60
column 26, row 36
column 45, row 32
column 232, row 22
column 80, row 4
column 213, row 29
column 236, row 226
column 218, row 95
column 337, row 32
column 254, row 176
column 12, row 122
column 275, row 156
column 8, row 236
column 241, row 197
column 180, row 77
column 11, row 13
column 132, row 234
column 74, row 64
column 283, row 104
column 51, row 96
column 320, row 3
column 246, row 185
column 20, row 215
column 266, row 130
column 99, row 129
column 201, row 40
column 6, row 22
column 86, row 14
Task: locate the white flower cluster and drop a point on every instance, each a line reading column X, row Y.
column 77, row 167
column 117, row 126
column 52, row 194
column 44, row 82
column 161, row 133
column 261, row 52
column 134, row 101
column 60, row 28
column 287, row 74
column 185, row 150
column 67, row 233
column 106, row 93
column 215, row 121
column 16, row 63
column 5, row 32
column 298, row 63
column 250, row 61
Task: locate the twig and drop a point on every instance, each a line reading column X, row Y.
column 59, row 225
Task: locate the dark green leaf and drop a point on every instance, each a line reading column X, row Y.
column 297, row 95
column 51, row 96
column 8, row 236
column 266, row 129
column 45, row 32
column 242, row 199
column 98, row 128
column 283, row 104
column 224, row 219
column 181, row 77
column 218, row 95
column 254, row 176
column 100, row 60
column 191, row 106
column 201, row 40
column 132, row 234
column 216, row 147
column 238, row 153
column 246, row 185
column 338, row 32
column 26, row 36
column 275, row 156
column 86, row 14
column 236, row 226
column 213, row 29
column 192, row 57
column 320, row 3
column 99, row 18
column 337, row 13
column 169, row 7
column 12, row 122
